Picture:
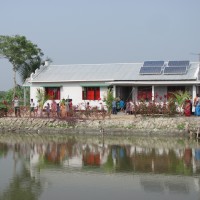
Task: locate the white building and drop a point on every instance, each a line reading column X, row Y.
column 151, row 80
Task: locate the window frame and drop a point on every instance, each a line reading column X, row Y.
column 90, row 93
column 49, row 90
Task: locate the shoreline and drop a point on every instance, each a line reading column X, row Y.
column 119, row 125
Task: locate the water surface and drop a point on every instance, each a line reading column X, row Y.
column 55, row 168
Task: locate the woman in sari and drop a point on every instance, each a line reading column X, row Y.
column 197, row 105
column 63, row 109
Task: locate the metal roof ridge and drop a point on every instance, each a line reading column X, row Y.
column 69, row 81
column 94, row 64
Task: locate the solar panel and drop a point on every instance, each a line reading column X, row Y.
column 150, row 70
column 181, row 63
column 175, row 70
column 153, row 64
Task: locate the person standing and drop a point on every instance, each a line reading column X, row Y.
column 16, row 106
column 118, row 105
column 48, row 110
column 122, row 104
column 58, row 110
column 197, row 105
column 53, row 108
column 114, row 107
column 32, row 108
column 70, row 107
column 67, row 107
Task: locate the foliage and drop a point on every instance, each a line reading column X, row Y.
column 109, row 165
column 109, row 99
column 22, row 54
column 2, row 94
column 19, row 91
column 174, row 104
column 41, row 97
column 171, row 107
column 155, row 108
column 181, row 126
column 180, row 97
column 2, row 106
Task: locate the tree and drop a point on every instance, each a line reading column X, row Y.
column 24, row 56
column 19, row 91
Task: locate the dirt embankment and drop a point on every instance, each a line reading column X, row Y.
column 120, row 124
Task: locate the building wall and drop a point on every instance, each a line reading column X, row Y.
column 67, row 91
column 74, row 91
column 71, row 91
column 33, row 92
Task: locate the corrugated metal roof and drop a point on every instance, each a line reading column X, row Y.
column 105, row 72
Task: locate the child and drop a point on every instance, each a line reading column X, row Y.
column 48, row 109
column 58, row 110
column 32, row 108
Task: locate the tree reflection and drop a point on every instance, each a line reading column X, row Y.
column 118, row 159
column 21, row 187
column 3, row 150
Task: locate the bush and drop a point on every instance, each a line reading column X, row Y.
column 8, row 96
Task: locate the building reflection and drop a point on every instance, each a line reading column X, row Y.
column 117, row 157
column 114, row 158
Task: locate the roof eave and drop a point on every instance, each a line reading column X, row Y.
column 181, row 82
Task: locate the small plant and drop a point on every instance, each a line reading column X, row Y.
column 41, row 97
column 109, row 99
column 171, row 107
column 181, row 126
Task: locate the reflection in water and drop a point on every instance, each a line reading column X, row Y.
column 157, row 168
column 21, row 186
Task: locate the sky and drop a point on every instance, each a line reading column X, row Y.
column 103, row 31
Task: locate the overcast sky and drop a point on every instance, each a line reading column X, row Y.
column 103, row 31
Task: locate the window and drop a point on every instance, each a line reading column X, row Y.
column 145, row 93
column 53, row 92
column 91, row 93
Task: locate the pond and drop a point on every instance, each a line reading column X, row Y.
column 53, row 167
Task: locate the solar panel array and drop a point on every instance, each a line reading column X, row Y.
column 181, row 63
column 177, row 67
column 175, row 70
column 152, row 67
column 153, row 64
column 150, row 70
column 157, row 67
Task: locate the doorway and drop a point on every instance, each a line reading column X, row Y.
column 124, row 92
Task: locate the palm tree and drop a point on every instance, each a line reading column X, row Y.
column 41, row 98
column 180, row 97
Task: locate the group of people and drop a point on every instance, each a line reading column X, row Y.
column 63, row 108
column 192, row 107
column 128, row 106
column 54, row 109
column 119, row 105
